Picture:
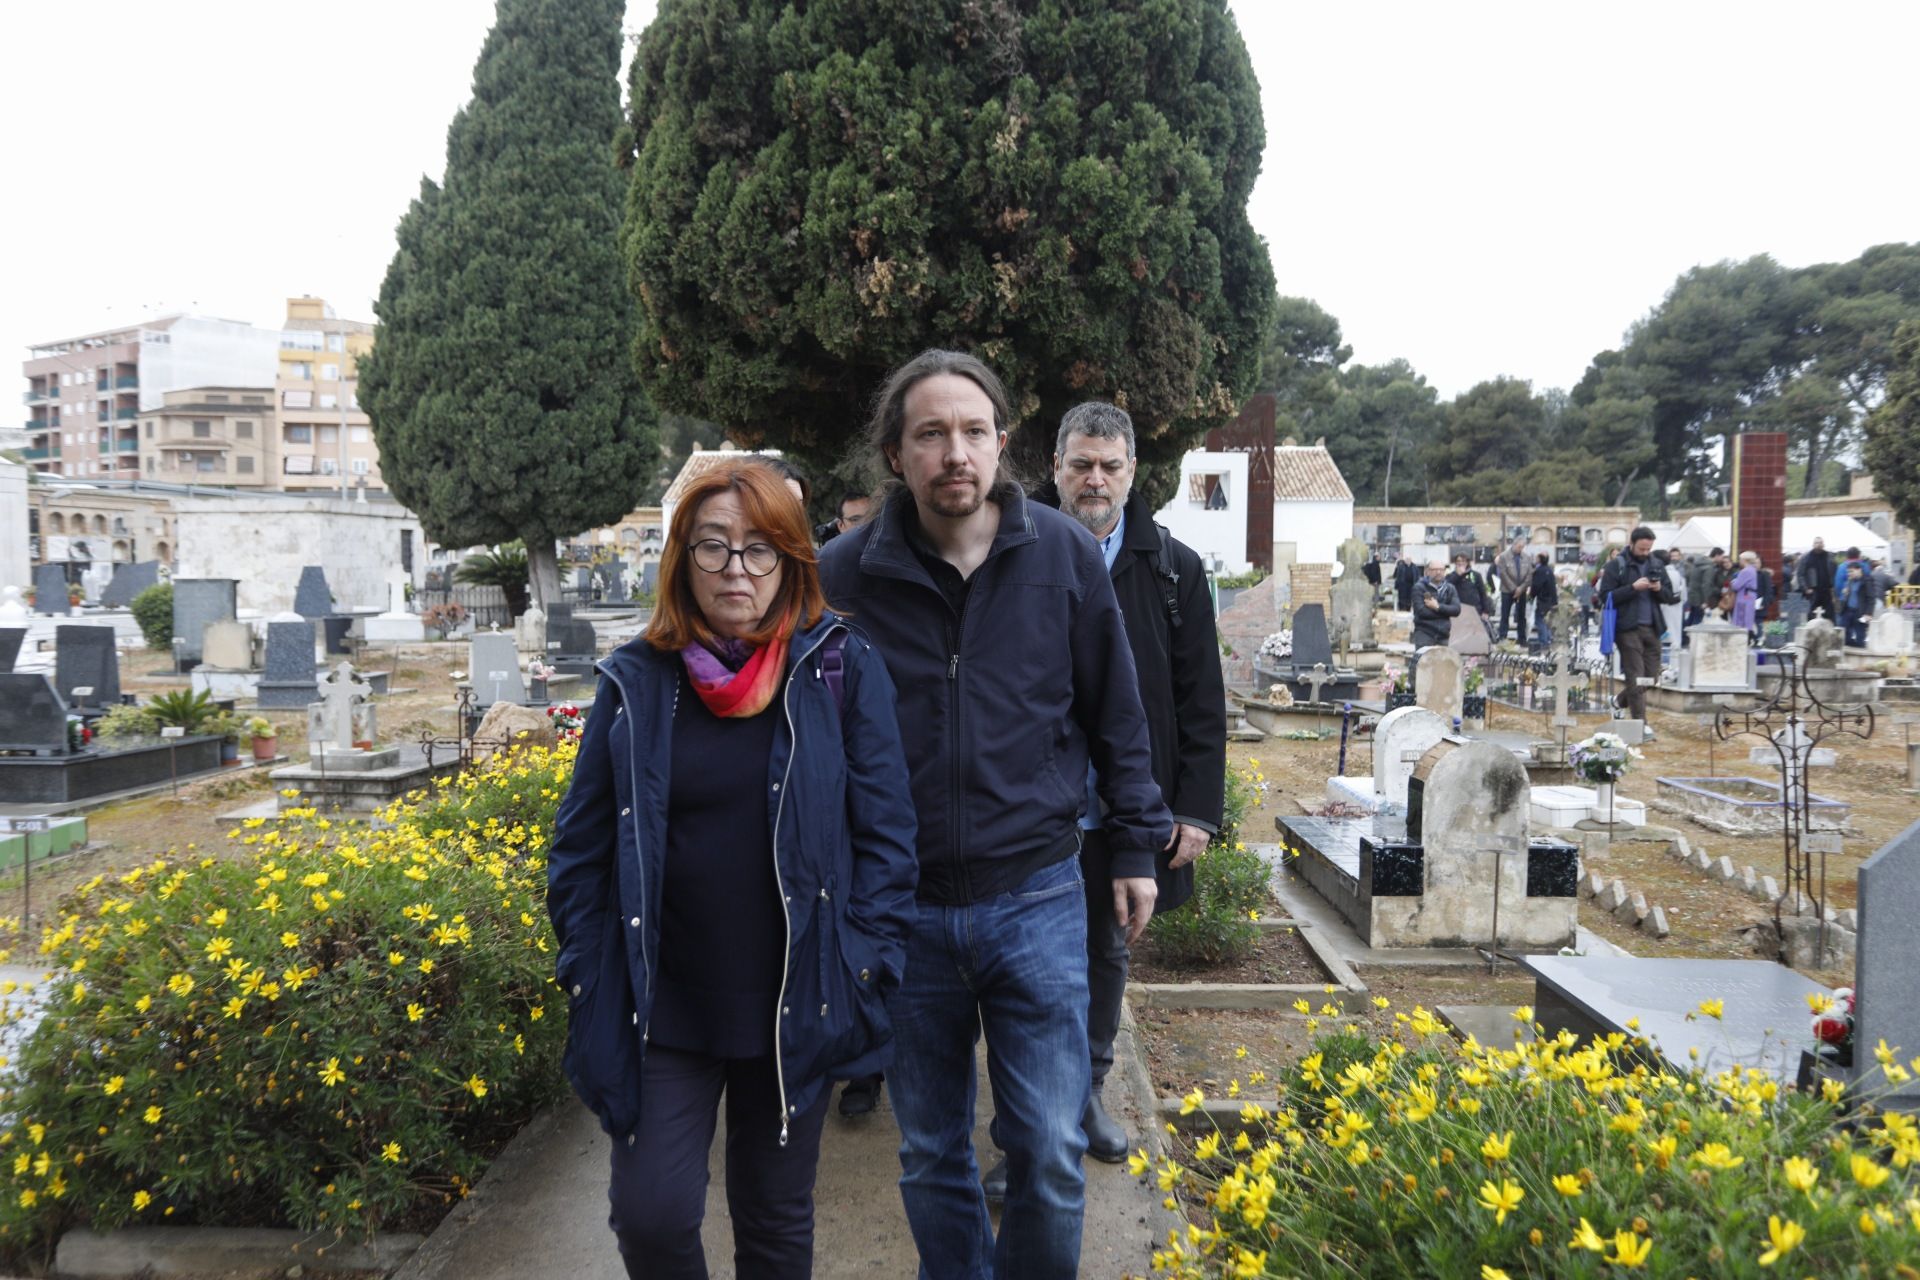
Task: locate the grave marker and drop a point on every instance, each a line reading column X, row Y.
column 84, row 657
column 286, row 679
column 11, row 638
column 129, row 580
column 1438, row 683
column 33, row 715
column 495, row 666
column 1886, row 958
column 198, row 603
column 50, row 590
column 312, row 598
column 1399, row 740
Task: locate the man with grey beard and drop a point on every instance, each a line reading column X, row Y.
column 1168, row 614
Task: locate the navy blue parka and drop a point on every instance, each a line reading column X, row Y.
column 843, row 827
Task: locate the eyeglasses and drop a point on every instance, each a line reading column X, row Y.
column 757, row 558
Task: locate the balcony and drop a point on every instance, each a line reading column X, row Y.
column 38, row 397
column 126, row 446
column 126, row 415
column 40, row 453
column 126, row 382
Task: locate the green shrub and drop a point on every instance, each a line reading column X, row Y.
column 185, row 708
column 126, row 722
column 1219, row 923
column 153, row 610
column 333, row 1030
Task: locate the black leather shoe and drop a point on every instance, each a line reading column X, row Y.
column 995, row 1183
column 860, row 1096
column 1106, row 1140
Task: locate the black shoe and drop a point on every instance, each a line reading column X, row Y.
column 860, row 1096
column 1106, row 1139
column 995, row 1183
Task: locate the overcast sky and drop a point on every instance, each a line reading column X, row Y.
column 1482, row 189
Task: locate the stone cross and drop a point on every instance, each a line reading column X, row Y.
column 340, row 690
column 1563, row 683
column 1317, row 678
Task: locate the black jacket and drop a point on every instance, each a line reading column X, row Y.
column 1003, row 703
column 1544, row 589
column 1371, row 570
column 1405, row 574
column 1815, row 574
column 1435, row 605
column 1617, row 580
column 1181, row 687
column 1471, row 588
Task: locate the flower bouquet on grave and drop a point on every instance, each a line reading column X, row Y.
column 1602, row 759
column 1277, row 646
column 78, row 734
column 1833, row 1025
column 1278, row 695
column 566, row 720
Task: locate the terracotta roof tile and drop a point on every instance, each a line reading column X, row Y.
column 1306, row 473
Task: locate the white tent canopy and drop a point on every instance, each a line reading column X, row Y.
column 1703, row 533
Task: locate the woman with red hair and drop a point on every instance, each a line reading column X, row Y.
column 731, row 881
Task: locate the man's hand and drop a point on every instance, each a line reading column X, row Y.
column 1187, row 844
column 1133, row 904
column 1644, row 584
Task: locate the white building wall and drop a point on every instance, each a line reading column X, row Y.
column 199, row 351
column 1219, row 536
column 14, row 569
column 1315, row 528
column 265, row 542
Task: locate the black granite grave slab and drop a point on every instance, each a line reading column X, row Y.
column 1553, row 868
column 33, row 715
column 1393, row 868
column 50, row 590
column 197, row 604
column 83, row 657
column 312, row 598
column 1310, row 640
column 86, row 774
column 287, row 673
column 1763, row 1024
column 129, row 580
column 336, row 627
column 11, row 638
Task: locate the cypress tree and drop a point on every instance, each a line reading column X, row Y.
column 819, row 191
column 499, row 388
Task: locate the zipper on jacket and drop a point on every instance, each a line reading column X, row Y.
column 780, row 887
column 633, row 767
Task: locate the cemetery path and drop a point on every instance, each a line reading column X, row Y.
column 542, row 1208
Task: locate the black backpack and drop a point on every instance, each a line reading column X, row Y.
column 1169, row 577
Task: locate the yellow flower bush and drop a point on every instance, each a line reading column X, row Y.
column 1547, row 1158
column 334, row 1029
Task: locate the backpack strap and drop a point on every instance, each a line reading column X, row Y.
column 1168, row 575
column 833, row 667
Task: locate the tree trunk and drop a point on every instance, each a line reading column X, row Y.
column 1620, row 498
column 1810, row 488
column 543, row 567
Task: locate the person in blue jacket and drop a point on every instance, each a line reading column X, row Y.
column 731, row 883
column 1853, row 596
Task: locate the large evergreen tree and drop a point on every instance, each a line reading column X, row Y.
column 1892, row 450
column 819, row 191
column 499, row 388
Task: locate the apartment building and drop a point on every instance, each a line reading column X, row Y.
column 211, row 436
column 85, row 394
column 322, row 441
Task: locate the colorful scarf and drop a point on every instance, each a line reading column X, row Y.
column 737, row 679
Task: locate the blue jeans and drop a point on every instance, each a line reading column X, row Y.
column 1542, row 629
column 1854, row 623
column 1014, row 965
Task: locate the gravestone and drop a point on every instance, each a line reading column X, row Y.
column 129, row 580
column 84, row 657
column 198, row 602
column 1886, row 958
column 650, row 579
column 530, row 632
column 1439, row 683
column 228, row 645
column 286, row 677
column 1763, row 1022
column 95, row 578
column 1468, row 806
column 342, row 720
column 1468, row 638
column 12, row 609
column 1402, row 737
column 313, row 598
column 1890, row 633
column 11, row 638
column 1719, row 657
column 1311, row 644
column 50, row 590
column 572, row 645
column 494, row 669
column 398, row 625
column 616, row 576
column 1352, row 597
column 1822, row 642
column 33, row 715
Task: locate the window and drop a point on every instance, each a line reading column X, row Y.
column 299, row 464
column 329, row 435
column 300, row 370
column 296, row 399
column 329, row 401
column 202, row 429
column 336, row 342
column 218, row 399
column 329, row 373
column 149, row 463
column 359, row 466
column 328, row 467
column 243, row 430
column 1208, row 489
column 149, row 428
column 297, row 433
column 243, row 465
column 253, row 399
column 299, row 340
column 357, row 435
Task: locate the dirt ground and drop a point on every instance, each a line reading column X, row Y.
column 1280, row 956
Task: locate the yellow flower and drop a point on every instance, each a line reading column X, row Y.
column 1492, row 1273
column 395, row 959
column 1137, row 1163
column 143, row 1004
column 218, row 919
column 1501, row 1200
column 1716, row 1155
column 331, row 1074
column 79, row 992
column 113, row 1085
column 1587, row 1238
column 1568, row 1185
column 234, row 1007
column 426, row 966
column 1800, row 1173
column 1523, row 1014
column 1662, row 1149
column 1712, row 1008
column 391, row 1153
column 1381, row 1002
column 152, row 1115
column 1629, row 1250
column 1497, row 1145
column 180, row 984
column 289, row 939
column 27, row 1198
column 1301, row 1006
column 1868, row 1172
column 218, row 948
column 476, row 1086
column 415, row 1013
column 1819, row 1001
column 1208, row 1147
column 1783, row 1236
column 141, row 1200
column 1192, row 1102
column 1832, row 1090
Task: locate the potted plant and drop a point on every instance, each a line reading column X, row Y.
column 227, row 728
column 1473, row 697
column 266, row 738
column 1602, row 760
column 1400, row 692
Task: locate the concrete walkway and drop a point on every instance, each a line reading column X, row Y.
column 542, row 1208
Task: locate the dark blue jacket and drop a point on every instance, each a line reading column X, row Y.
column 1005, row 699
column 843, row 838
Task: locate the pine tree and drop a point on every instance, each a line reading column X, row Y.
column 821, row 191
column 500, row 387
